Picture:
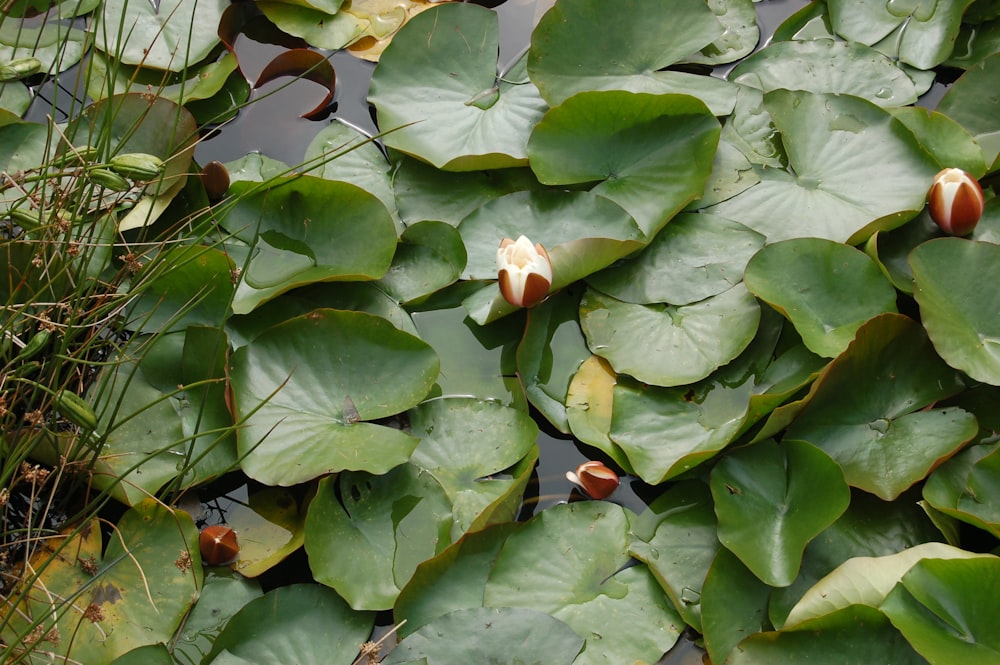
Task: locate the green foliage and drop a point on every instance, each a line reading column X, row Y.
column 752, row 317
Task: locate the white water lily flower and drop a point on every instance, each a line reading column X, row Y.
column 524, row 270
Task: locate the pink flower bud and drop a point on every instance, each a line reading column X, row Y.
column 595, row 479
column 525, row 272
column 956, row 202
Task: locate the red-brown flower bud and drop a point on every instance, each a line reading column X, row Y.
column 595, row 479
column 956, row 202
column 218, row 545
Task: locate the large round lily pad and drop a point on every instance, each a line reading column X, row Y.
column 826, row 289
column 628, row 47
column 852, row 169
column 650, row 154
column 458, row 117
column 306, row 388
column 570, row 561
column 666, row 345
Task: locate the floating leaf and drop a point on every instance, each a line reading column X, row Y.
column 919, row 33
column 292, row 382
column 944, row 608
column 650, row 154
column 550, row 353
column 838, row 185
column 855, row 634
column 626, row 50
column 366, row 534
column 962, row 319
column 480, row 452
column 270, row 526
column 868, row 408
column 144, row 584
column 694, row 257
column 306, row 624
column 825, row 65
column 866, row 580
column 165, row 35
column 739, row 18
column 295, row 239
column 735, row 605
column 682, row 544
column 772, row 500
column 570, row 561
column 429, row 110
column 666, row 345
column 826, row 289
column 505, row 634
column 429, row 257
column 962, row 487
column 453, row 579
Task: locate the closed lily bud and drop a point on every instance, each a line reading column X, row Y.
column 525, row 272
column 956, row 202
column 595, row 479
column 109, row 180
column 218, row 545
column 137, row 166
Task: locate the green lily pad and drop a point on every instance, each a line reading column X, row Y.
column 949, row 142
column 144, row 584
column 53, row 45
column 855, row 634
column 569, row 561
column 626, row 50
column 869, row 528
column 453, row 579
column 961, row 317
column 429, row 257
column 650, row 154
column 581, row 231
column 196, row 83
column 426, row 193
column 681, row 545
column 480, row 452
column 183, row 286
column 739, row 18
column 295, row 241
column 158, row 427
column 476, row 361
column 305, row 389
column 839, row 184
column 962, row 487
column 866, row 580
column 891, row 249
column 222, row 596
column 826, row 289
column 299, row 623
column 772, row 500
column 342, row 152
column 868, row 408
column 366, row 534
column 165, row 35
column 500, row 635
column 461, row 117
column 827, row 66
column 734, row 605
column 920, row 32
column 665, row 345
column 945, row 609
column 550, row 353
column 694, row 257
